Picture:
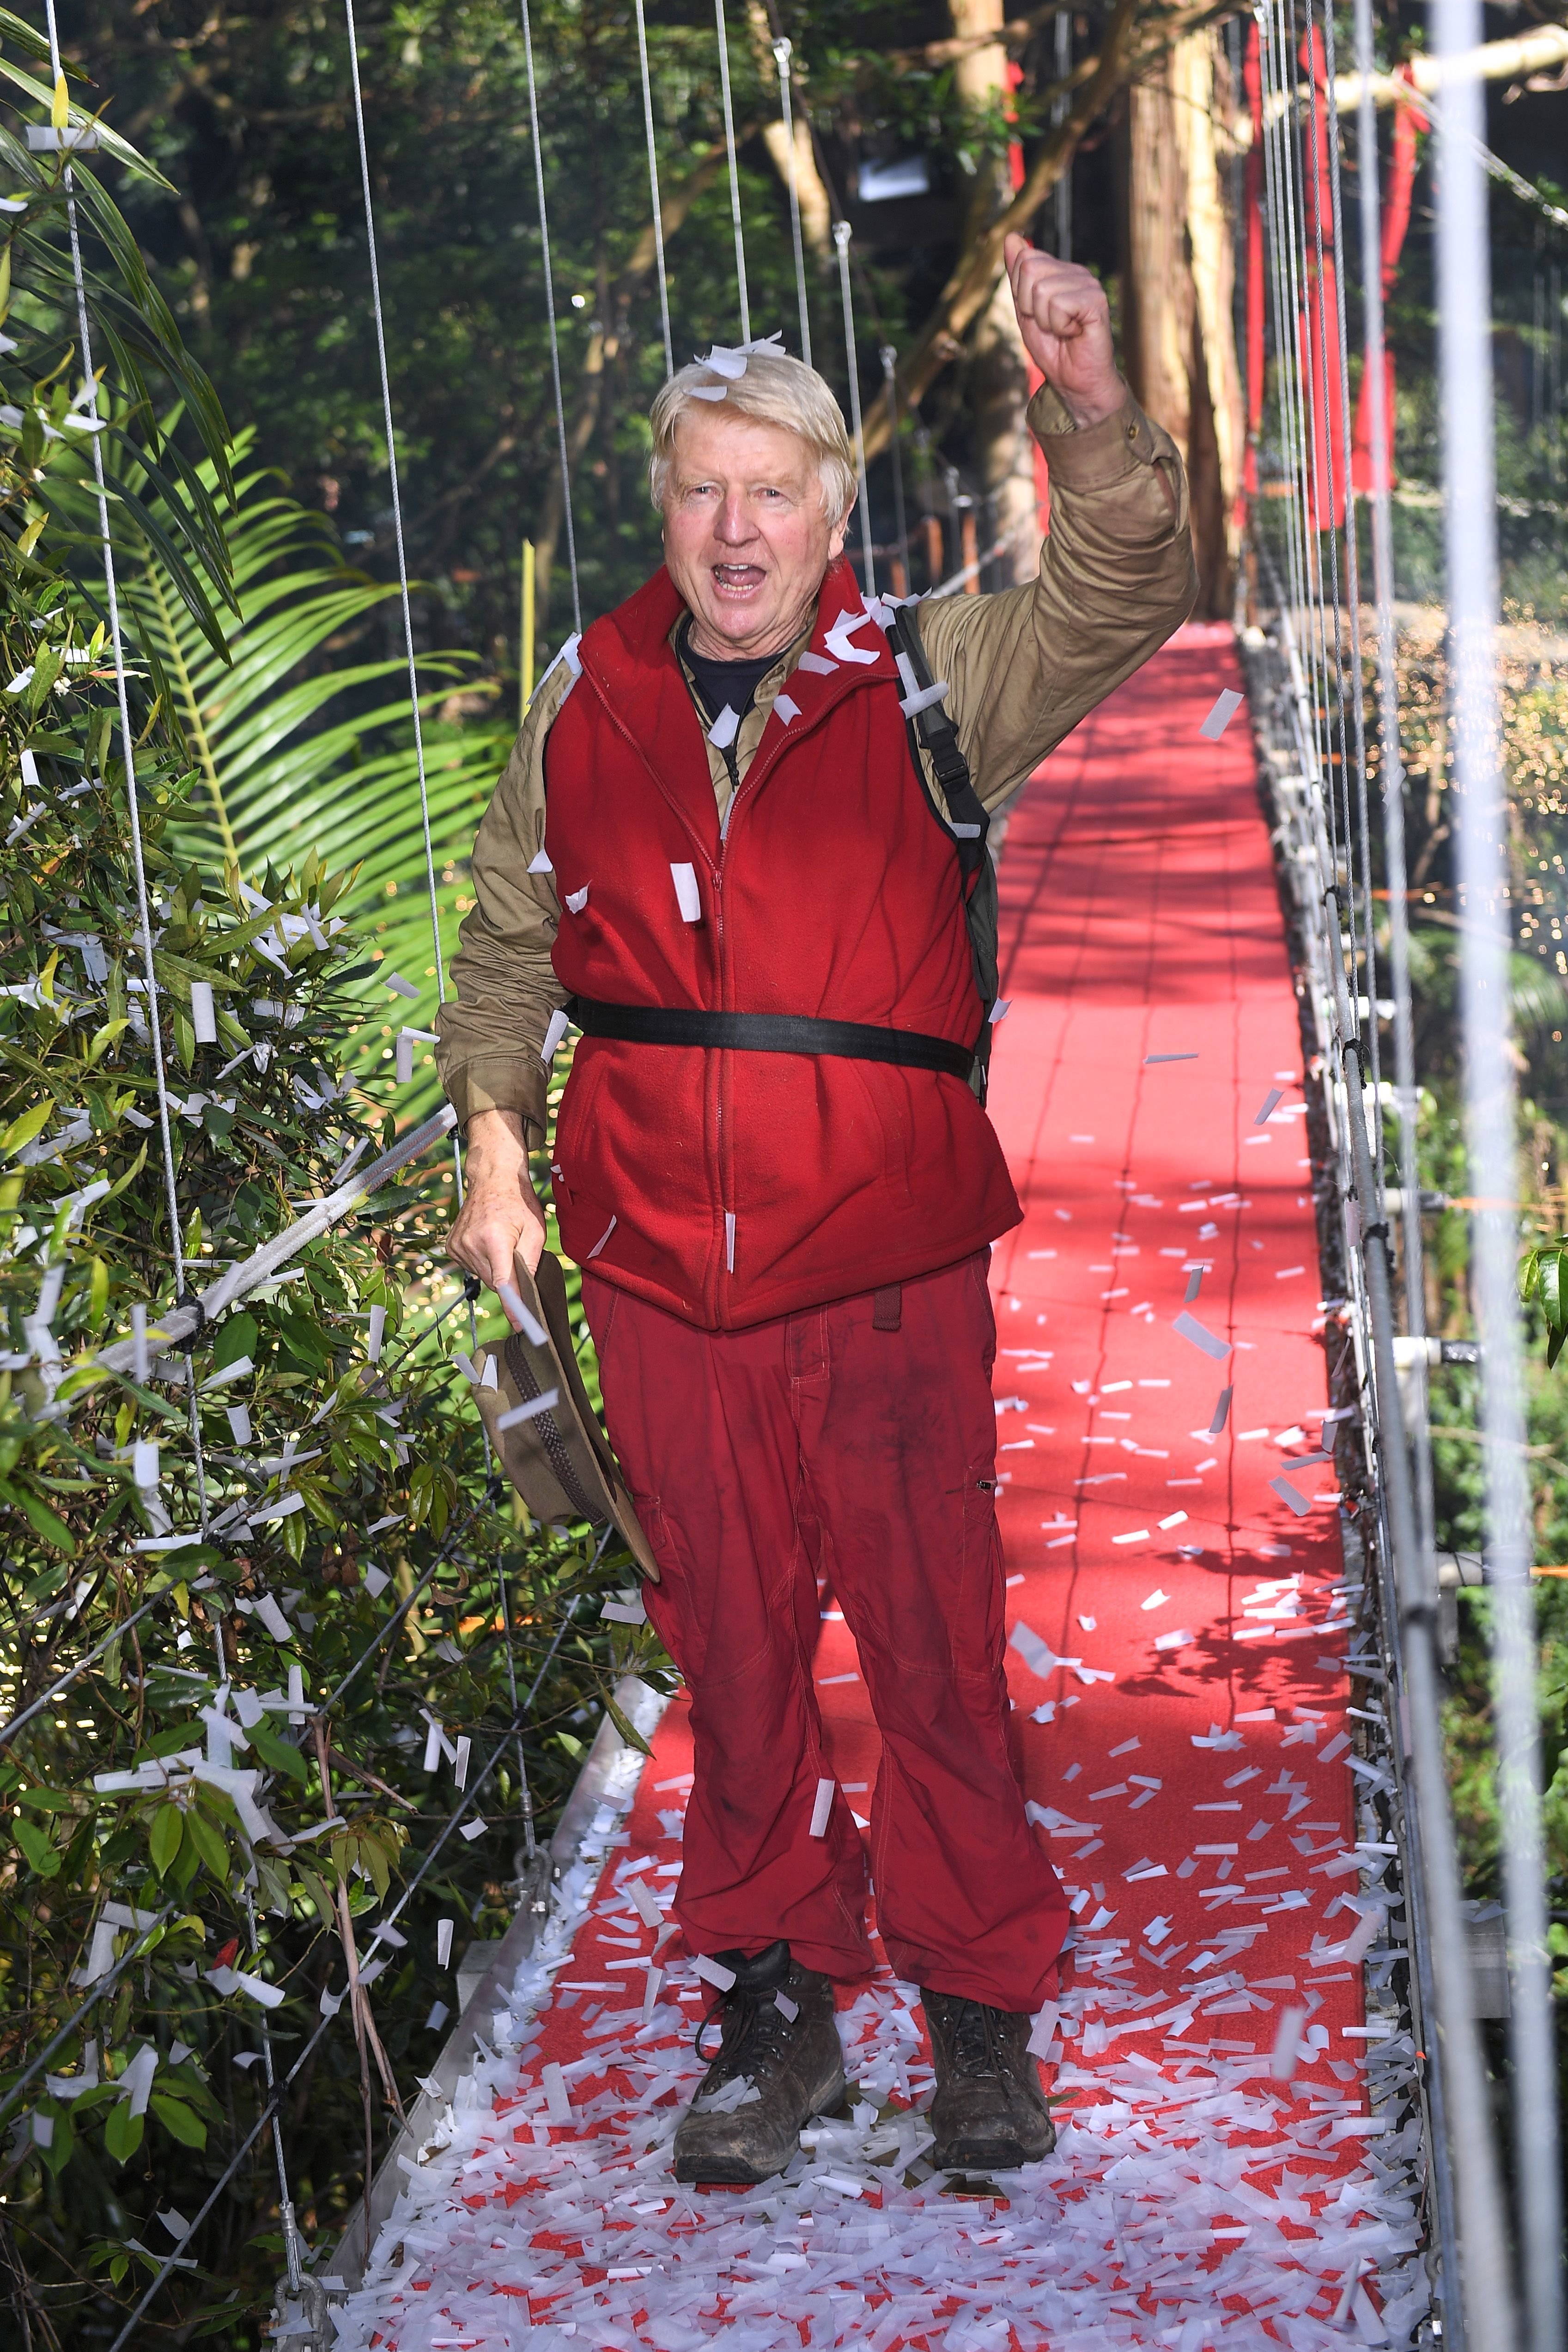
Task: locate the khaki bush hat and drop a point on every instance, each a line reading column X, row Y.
column 554, row 1451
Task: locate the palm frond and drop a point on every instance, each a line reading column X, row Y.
column 298, row 750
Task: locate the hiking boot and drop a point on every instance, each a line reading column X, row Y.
column 989, row 2113
column 775, row 2069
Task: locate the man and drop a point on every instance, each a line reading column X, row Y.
column 713, row 837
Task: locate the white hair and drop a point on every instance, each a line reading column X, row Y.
column 771, row 388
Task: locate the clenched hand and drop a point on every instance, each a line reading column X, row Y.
column 1065, row 320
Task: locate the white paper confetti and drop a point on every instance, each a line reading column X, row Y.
column 1228, row 703
column 545, row 1403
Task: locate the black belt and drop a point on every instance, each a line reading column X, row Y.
column 770, row 1033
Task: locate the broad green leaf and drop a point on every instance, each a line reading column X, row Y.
column 123, row 2131
column 626, row 1728
column 274, row 1749
column 180, row 2122
column 48, row 1801
column 22, row 1130
column 35, row 1843
column 208, row 1842
column 238, row 1336
column 166, row 1836
column 62, row 2147
column 43, row 1521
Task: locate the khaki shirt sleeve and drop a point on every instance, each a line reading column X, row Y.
column 491, row 1033
column 1116, row 578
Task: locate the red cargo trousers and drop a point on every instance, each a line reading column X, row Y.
column 826, row 1444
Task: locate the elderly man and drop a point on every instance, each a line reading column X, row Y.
column 732, row 842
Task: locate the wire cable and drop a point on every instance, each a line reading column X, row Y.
column 550, row 307
column 653, row 192
column 783, row 52
column 841, row 235
column 1353, row 589
column 890, row 360
column 1334, row 416
column 734, row 170
column 105, row 1984
column 1391, row 753
column 394, row 485
column 9, row 1729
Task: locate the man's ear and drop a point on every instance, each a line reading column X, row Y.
column 837, row 538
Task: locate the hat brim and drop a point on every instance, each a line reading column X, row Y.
column 558, row 1456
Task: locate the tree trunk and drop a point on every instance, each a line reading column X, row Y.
column 1178, row 274
column 811, row 189
column 1004, row 446
column 999, row 377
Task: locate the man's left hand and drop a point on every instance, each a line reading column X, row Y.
column 1065, row 320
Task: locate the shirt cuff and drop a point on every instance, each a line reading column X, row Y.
column 1092, row 457
column 499, row 1082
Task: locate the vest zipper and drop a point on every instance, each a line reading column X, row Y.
column 733, row 765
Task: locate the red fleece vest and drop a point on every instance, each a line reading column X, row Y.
column 744, row 1185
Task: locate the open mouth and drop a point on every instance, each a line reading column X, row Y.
column 738, row 579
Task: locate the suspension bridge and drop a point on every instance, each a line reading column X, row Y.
column 1274, row 2122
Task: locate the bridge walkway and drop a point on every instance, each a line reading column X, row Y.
column 1181, row 1625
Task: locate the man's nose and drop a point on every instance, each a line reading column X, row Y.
column 734, row 524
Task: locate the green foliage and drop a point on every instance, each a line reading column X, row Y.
column 264, row 260
column 336, row 1537
column 1542, row 1280
column 299, row 747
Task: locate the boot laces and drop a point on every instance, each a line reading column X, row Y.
column 979, row 2050
column 754, row 2033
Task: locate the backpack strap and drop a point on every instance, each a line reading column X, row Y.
column 964, row 818
column 932, row 731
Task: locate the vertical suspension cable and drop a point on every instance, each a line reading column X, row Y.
column 889, row 357
column 1306, row 409
column 1353, row 584
column 1270, row 197
column 293, row 2251
column 1391, row 777
column 1277, row 105
column 1286, row 373
column 1318, row 441
column 841, row 235
column 396, row 495
column 734, row 170
column 783, row 52
column 1277, row 150
column 653, row 191
column 1063, row 37
column 1392, row 783
column 549, row 308
column 1470, row 511
column 132, row 797
column 1335, row 418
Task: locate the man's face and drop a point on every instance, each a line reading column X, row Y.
column 745, row 537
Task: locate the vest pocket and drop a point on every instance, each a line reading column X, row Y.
column 583, row 1087
column 977, row 1633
